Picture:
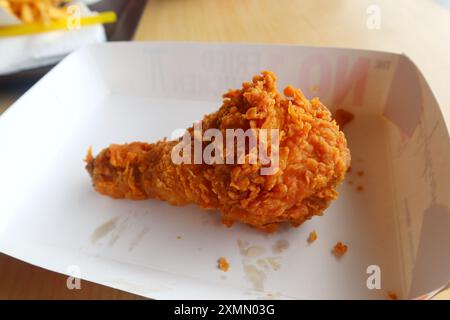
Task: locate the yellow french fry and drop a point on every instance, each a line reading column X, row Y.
column 26, row 14
column 56, row 13
column 30, row 11
column 61, row 24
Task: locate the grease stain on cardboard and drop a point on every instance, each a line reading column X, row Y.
column 256, row 266
column 104, row 229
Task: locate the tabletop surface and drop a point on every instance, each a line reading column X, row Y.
column 420, row 29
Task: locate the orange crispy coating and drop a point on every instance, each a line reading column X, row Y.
column 392, row 295
column 223, row 264
column 313, row 160
column 339, row 249
column 312, row 236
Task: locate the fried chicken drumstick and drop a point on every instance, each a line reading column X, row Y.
column 313, row 159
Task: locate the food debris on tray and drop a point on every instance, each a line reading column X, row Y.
column 339, row 249
column 392, row 295
column 312, row 236
column 223, row 264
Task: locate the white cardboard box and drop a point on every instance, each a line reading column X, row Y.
column 50, row 215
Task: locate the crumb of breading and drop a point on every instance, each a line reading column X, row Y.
column 392, row 295
column 312, row 236
column 343, row 117
column 349, row 169
column 360, row 173
column 350, row 182
column 178, row 237
column 339, row 249
column 89, row 156
column 314, row 89
column 359, row 188
column 223, row 264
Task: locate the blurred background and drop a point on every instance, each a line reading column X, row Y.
column 36, row 34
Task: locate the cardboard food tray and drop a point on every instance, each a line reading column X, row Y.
column 394, row 216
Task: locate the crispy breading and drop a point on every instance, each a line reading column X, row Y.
column 339, row 249
column 312, row 236
column 313, row 159
column 223, row 264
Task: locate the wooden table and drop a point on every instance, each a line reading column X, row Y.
column 421, row 29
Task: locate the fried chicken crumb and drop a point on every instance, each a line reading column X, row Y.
column 343, row 117
column 178, row 237
column 350, row 182
column 314, row 89
column 360, row 173
column 223, row 264
column 359, row 188
column 349, row 169
column 392, row 295
column 339, row 249
column 312, row 236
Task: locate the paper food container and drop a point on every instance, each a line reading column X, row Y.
column 37, row 50
column 397, row 226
